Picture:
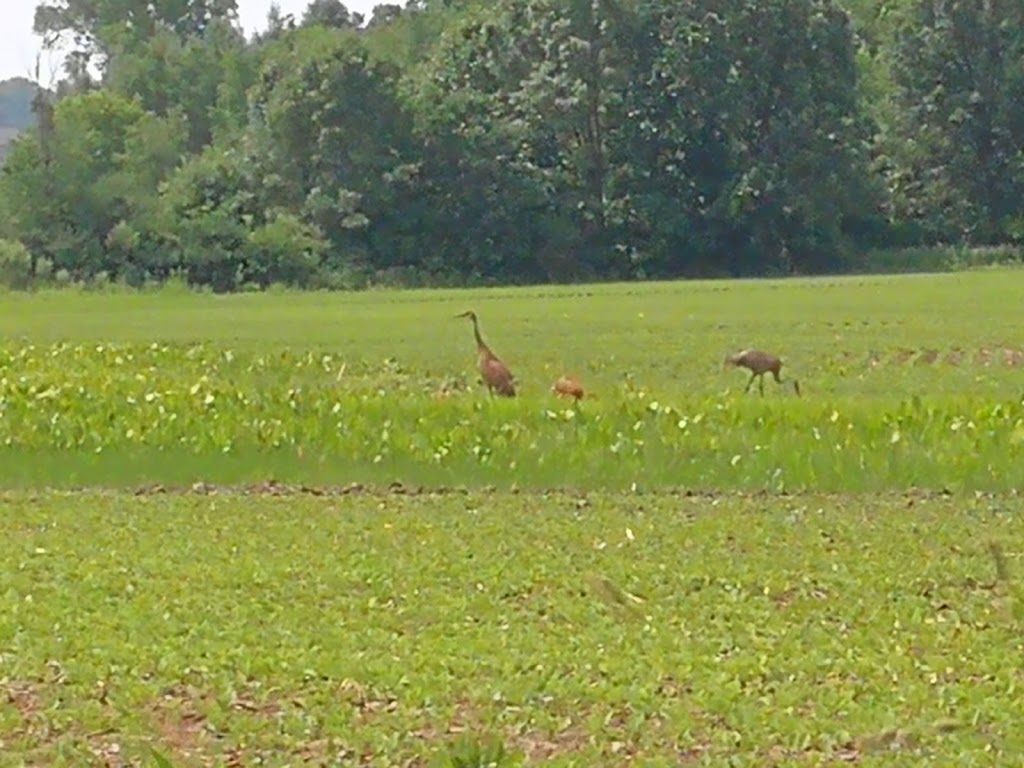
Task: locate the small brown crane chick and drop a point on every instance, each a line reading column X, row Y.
column 759, row 363
column 568, row 386
column 495, row 373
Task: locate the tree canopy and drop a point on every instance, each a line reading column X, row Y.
column 458, row 141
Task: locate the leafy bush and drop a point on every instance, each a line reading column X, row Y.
column 935, row 258
column 207, row 213
column 212, row 249
column 15, row 265
column 285, row 250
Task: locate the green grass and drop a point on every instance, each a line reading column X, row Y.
column 537, row 590
column 328, row 388
column 380, row 629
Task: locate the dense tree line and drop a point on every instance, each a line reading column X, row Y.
column 515, row 140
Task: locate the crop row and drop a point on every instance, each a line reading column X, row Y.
column 198, row 399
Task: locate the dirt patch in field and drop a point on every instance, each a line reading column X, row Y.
column 39, row 738
column 930, row 356
column 573, row 498
column 324, row 752
column 779, row 755
column 537, row 746
column 1009, row 357
column 367, row 701
column 578, row 498
column 902, row 355
column 785, row 598
column 184, row 733
column 465, row 718
column 188, row 738
column 182, row 730
column 23, row 696
column 956, row 357
column 106, row 749
column 275, row 488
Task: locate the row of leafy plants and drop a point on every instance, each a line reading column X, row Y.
column 200, row 400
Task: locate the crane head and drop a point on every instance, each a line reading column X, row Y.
column 469, row 313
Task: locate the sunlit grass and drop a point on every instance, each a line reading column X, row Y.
column 629, row 618
column 573, row 629
column 912, row 381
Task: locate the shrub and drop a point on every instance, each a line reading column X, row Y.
column 16, row 269
column 285, row 250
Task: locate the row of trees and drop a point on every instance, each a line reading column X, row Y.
column 517, row 140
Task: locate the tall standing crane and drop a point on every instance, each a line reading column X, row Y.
column 495, row 373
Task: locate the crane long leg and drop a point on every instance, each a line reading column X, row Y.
column 761, row 382
column 750, row 382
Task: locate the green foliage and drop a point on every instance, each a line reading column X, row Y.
column 538, row 83
column 207, row 210
column 527, row 140
column 285, row 250
column 792, row 139
column 340, row 143
column 216, row 219
column 264, row 628
column 159, row 760
column 385, row 385
column 937, row 259
column 203, row 78
column 188, row 622
column 331, row 14
column 469, row 751
column 98, row 168
column 959, row 71
column 219, row 401
column 106, row 27
column 16, row 267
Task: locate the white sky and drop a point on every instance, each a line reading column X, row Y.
column 18, row 46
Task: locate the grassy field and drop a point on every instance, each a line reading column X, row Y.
column 293, row 529
column 907, row 381
column 586, row 630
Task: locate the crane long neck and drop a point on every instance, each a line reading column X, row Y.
column 479, row 339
